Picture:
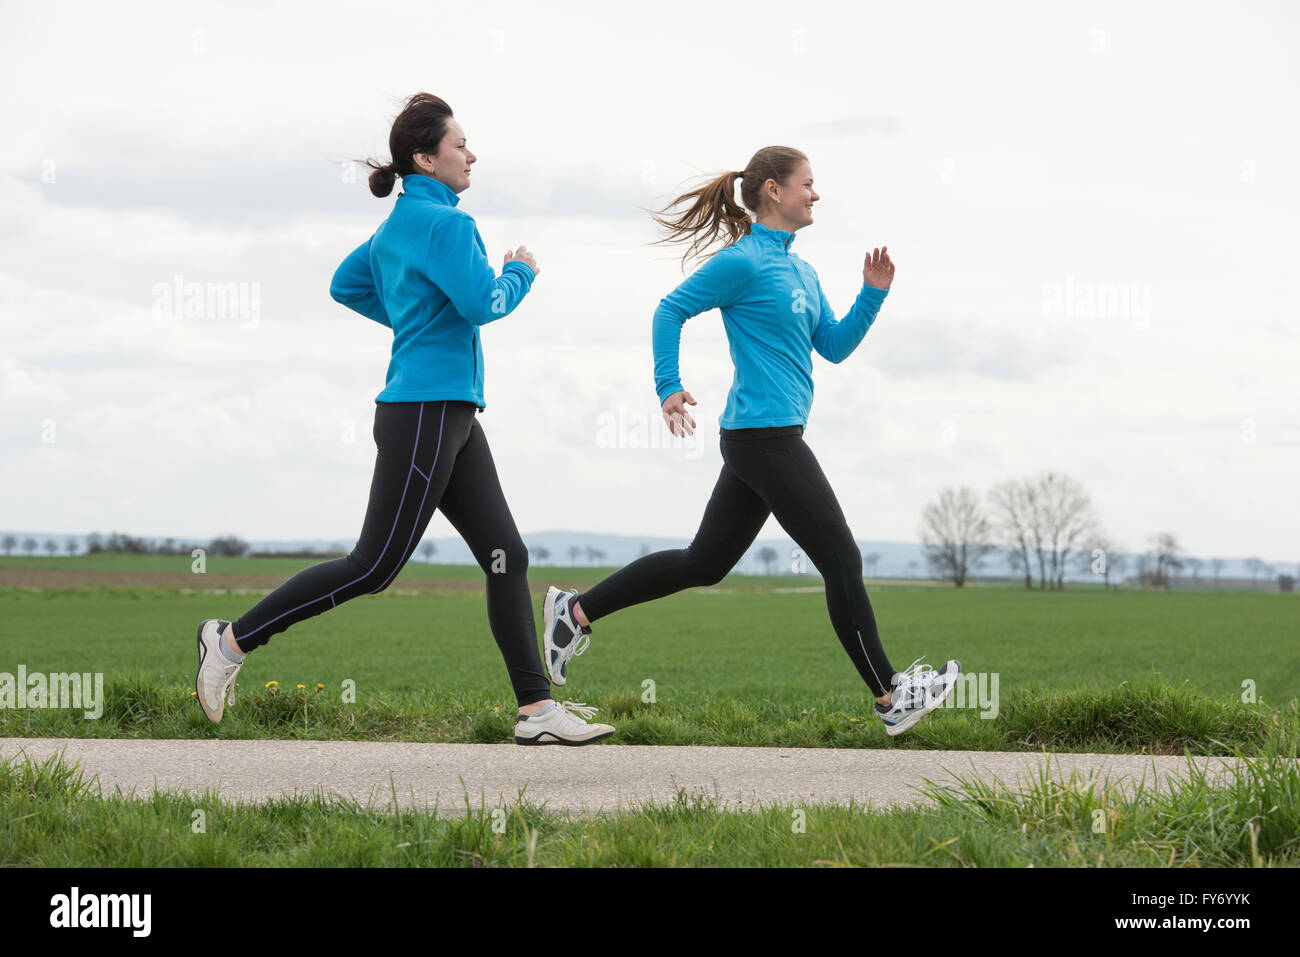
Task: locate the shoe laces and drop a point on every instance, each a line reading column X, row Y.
column 229, row 691
column 916, row 674
column 577, row 707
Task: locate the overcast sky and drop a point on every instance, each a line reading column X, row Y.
column 1093, row 209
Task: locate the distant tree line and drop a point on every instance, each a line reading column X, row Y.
column 1044, row 526
column 120, row 543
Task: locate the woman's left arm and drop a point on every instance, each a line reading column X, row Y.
column 836, row 339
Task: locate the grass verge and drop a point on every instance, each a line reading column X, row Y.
column 1154, row 717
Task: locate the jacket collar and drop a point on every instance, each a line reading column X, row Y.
column 426, row 187
column 777, row 236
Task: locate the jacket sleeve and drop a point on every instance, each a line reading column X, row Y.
column 354, row 286
column 836, row 339
column 720, row 282
column 457, row 264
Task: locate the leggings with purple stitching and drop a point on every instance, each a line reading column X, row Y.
column 430, row 455
column 766, row 471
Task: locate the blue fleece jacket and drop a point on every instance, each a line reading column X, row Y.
column 425, row 274
column 775, row 314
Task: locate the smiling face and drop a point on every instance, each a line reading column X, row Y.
column 452, row 163
column 797, row 197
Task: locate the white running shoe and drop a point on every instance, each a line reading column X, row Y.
column 564, row 638
column 215, row 680
column 561, row 725
column 916, row 692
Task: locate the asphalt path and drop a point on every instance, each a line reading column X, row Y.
column 598, row 778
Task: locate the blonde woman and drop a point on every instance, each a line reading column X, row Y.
column 775, row 314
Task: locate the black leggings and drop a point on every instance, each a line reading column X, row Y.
column 765, row 472
column 431, row 455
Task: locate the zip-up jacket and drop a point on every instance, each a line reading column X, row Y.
column 425, row 274
column 775, row 314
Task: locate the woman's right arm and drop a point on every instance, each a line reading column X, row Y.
column 721, row 281
column 353, row 285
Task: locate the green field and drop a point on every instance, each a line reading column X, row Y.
column 743, row 663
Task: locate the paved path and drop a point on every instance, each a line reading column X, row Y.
column 593, row 778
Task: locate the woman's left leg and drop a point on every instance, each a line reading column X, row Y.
column 476, row 507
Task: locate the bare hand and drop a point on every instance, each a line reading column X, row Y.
column 524, row 256
column 675, row 414
column 878, row 268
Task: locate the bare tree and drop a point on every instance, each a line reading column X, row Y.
column 912, row 566
column 543, row 553
column 9, row 544
column 70, row 546
column 1216, row 565
column 956, row 534
column 1100, row 556
column 767, row 555
column 430, row 550
column 1012, row 519
column 1165, row 548
column 574, row 552
column 29, row 545
column 51, row 546
column 1195, row 565
column 1067, row 519
column 1047, row 519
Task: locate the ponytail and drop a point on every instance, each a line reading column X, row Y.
column 714, row 210
column 382, row 179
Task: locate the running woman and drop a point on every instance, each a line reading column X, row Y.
column 425, row 275
column 775, row 314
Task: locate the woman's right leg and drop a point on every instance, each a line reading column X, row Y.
column 732, row 520
column 417, row 445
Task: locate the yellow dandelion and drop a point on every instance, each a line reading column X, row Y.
column 194, row 694
column 853, row 719
column 303, row 687
column 273, row 684
column 319, row 686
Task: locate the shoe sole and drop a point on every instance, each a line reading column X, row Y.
column 555, row 739
column 917, row 716
column 198, row 688
column 548, row 623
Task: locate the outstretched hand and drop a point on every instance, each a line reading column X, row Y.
column 675, row 415
column 878, row 268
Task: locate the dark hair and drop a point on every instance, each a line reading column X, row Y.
column 715, row 207
column 419, row 128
